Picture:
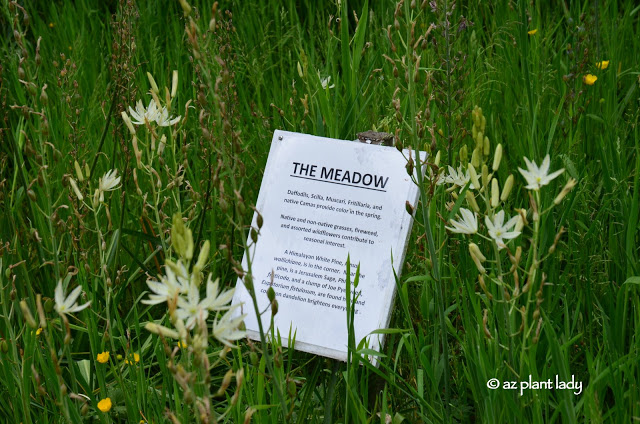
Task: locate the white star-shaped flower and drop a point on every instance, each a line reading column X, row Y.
column 141, row 115
column 191, row 308
column 68, row 305
column 170, row 286
column 538, row 176
column 226, row 329
column 108, row 182
column 164, row 120
column 216, row 301
column 468, row 224
column 458, row 177
column 498, row 230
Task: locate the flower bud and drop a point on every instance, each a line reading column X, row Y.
column 128, row 122
column 259, row 220
column 300, row 70
column 4, row 346
column 26, row 312
column 480, row 141
column 409, row 208
column 474, row 177
column 475, row 158
column 567, row 188
column 485, row 175
column 474, row 250
column 495, row 193
column 497, row 157
column 471, row 201
column 226, row 381
column 161, row 330
column 75, row 188
column 506, row 190
column 203, row 256
column 437, row 160
column 174, row 84
column 154, row 86
column 44, row 99
column 78, row 171
column 487, row 146
column 520, row 223
column 478, row 263
column 409, row 167
column 271, row 294
column 464, row 154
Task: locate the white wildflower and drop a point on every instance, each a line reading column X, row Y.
column 226, row 329
column 68, row 305
column 325, row 82
column 108, row 182
column 498, row 230
column 141, row 116
column 458, row 178
column 163, row 119
column 468, row 224
column 538, row 176
column 216, row 301
column 191, row 308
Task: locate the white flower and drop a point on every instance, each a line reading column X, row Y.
column 141, row 115
column 226, row 329
column 68, row 305
column 108, row 182
column 152, row 114
column 468, row 224
column 164, row 120
column 170, row 286
column 215, row 301
column 457, row 177
column 538, row 176
column 325, row 82
column 191, row 308
column 499, row 231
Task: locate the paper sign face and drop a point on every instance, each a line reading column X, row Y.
column 321, row 200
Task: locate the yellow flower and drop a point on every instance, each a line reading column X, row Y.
column 589, row 79
column 532, row 32
column 104, row 405
column 51, row 24
column 136, row 359
column 119, row 357
column 103, row 357
column 182, row 345
column 602, row 65
column 38, row 331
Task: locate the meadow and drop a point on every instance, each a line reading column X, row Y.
column 133, row 138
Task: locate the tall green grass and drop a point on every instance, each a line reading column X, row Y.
column 273, row 58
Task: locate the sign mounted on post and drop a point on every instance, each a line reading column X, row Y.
column 323, row 200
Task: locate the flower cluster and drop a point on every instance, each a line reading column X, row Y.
column 488, row 190
column 180, row 288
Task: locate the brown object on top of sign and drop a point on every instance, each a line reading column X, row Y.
column 372, row 137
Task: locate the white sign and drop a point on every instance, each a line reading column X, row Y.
column 323, row 199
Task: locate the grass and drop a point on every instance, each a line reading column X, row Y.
column 247, row 69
